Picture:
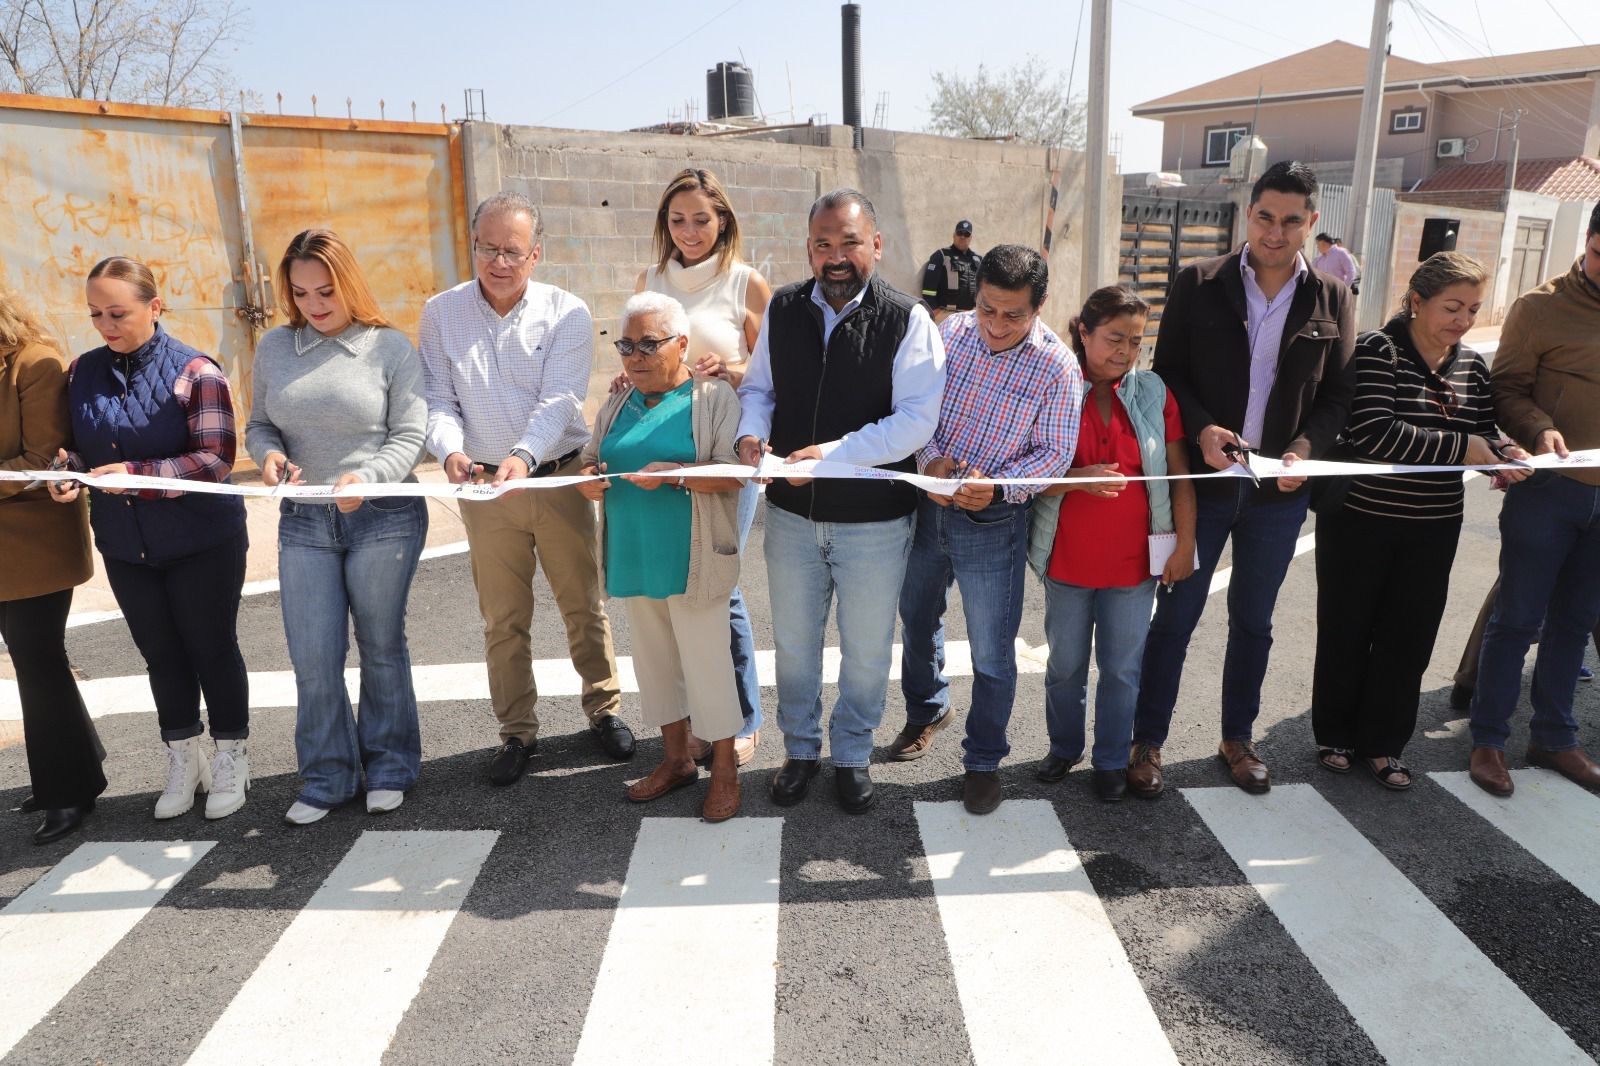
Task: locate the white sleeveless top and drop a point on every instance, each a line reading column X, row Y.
column 715, row 301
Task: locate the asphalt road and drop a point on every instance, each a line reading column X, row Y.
column 872, row 963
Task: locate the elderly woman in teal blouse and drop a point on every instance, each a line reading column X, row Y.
column 671, row 544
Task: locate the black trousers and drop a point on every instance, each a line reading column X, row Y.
column 64, row 751
column 184, row 616
column 1381, row 590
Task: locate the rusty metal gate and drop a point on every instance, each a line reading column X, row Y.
column 1160, row 236
column 210, row 200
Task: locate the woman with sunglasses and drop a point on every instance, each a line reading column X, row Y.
column 671, row 544
column 1385, row 546
column 698, row 263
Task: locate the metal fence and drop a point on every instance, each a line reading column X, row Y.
column 209, row 200
column 1376, row 259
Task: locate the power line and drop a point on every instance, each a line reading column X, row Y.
column 1197, row 29
column 1298, row 44
column 624, row 77
column 1575, row 34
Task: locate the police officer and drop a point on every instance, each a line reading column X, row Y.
column 950, row 280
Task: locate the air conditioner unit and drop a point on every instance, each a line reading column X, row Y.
column 1452, row 147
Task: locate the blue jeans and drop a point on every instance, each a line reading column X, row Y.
column 1118, row 620
column 986, row 553
column 808, row 565
column 335, row 568
column 745, row 677
column 1263, row 547
column 1549, row 581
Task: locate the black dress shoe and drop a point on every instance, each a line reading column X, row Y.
column 1110, row 785
column 981, row 792
column 853, row 786
column 59, row 821
column 28, row 805
column 793, row 780
column 510, row 759
column 1054, row 768
column 613, row 736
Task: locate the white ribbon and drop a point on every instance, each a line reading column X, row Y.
column 773, row 467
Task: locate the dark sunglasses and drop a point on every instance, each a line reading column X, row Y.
column 1449, row 403
column 646, row 346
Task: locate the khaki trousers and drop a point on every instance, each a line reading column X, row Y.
column 684, row 664
column 508, row 538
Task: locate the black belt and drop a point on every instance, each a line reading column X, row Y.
column 544, row 469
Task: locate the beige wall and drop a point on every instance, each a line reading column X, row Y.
column 1480, row 237
column 1557, row 121
column 599, row 192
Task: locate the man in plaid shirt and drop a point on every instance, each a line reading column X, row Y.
column 1012, row 400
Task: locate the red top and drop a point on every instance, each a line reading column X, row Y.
column 1104, row 543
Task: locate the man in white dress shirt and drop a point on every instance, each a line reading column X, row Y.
column 507, row 363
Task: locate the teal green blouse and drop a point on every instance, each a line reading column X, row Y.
column 647, row 531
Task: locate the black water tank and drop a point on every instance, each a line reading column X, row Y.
column 730, row 92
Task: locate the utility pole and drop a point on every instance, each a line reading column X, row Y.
column 1511, row 167
column 1098, row 146
column 1371, row 121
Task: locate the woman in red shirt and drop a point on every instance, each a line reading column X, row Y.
column 1100, row 555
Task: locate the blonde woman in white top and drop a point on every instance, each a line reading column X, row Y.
column 698, row 264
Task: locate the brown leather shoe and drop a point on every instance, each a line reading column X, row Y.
column 744, row 748
column 913, row 741
column 1248, row 771
column 1573, row 764
column 722, row 799
column 659, row 783
column 1144, row 771
column 1488, row 771
column 980, row 791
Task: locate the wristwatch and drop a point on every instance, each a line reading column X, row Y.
column 526, row 456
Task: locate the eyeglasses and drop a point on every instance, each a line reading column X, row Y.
column 1449, row 403
column 489, row 254
column 645, row 346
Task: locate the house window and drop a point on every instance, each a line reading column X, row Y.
column 1407, row 120
column 1220, row 141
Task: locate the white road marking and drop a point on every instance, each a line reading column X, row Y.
column 130, row 694
column 689, row 972
column 1023, row 924
column 1418, row 987
column 60, row 928
column 336, row 984
column 1555, row 820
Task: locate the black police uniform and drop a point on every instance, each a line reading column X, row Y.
column 950, row 280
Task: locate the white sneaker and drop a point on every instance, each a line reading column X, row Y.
column 186, row 772
column 230, row 779
column 304, row 814
column 384, row 800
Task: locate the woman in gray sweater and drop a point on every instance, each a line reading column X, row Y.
column 338, row 401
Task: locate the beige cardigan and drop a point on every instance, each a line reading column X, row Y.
column 714, row 529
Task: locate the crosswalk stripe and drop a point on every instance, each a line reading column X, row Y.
column 1554, row 820
column 1416, row 984
column 62, row 925
column 690, row 965
column 445, row 682
column 336, row 984
column 1022, row 922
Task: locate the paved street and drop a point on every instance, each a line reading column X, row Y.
column 552, row 922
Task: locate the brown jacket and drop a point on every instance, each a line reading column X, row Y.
column 44, row 545
column 1546, row 372
column 1203, row 354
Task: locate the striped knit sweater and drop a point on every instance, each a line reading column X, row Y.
column 1404, row 412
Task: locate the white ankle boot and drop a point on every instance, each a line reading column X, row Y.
column 230, row 779
column 186, row 771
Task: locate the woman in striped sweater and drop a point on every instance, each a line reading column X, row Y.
column 1384, row 553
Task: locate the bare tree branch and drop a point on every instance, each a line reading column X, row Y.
column 1027, row 101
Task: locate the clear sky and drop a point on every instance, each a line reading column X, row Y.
column 614, row 65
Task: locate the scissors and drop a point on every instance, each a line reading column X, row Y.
column 38, row 483
column 1242, row 457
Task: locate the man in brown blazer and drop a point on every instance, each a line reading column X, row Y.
column 1256, row 348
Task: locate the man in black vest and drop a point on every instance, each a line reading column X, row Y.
column 847, row 369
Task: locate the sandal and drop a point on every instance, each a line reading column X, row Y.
column 1326, row 757
column 1392, row 774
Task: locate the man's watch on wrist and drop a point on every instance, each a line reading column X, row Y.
column 526, row 456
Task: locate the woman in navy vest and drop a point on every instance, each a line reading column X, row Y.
column 338, row 401
column 147, row 404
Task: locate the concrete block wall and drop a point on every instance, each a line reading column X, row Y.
column 599, row 192
column 1479, row 237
